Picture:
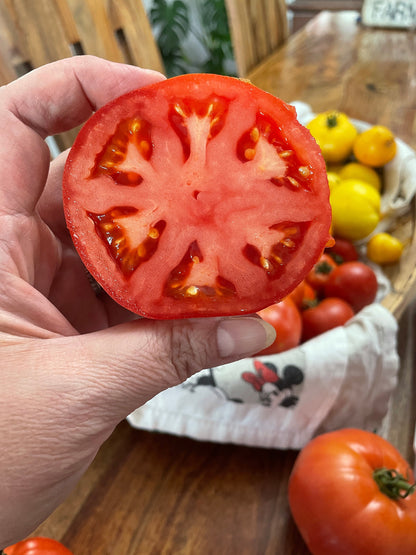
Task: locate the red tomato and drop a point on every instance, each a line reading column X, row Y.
column 328, row 314
column 200, row 195
column 37, row 546
column 339, row 504
column 297, row 294
column 355, row 282
column 342, row 251
column 320, row 273
column 309, row 297
column 287, row 321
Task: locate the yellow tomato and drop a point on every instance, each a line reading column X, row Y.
column 375, row 147
column 333, row 180
column 383, row 248
column 335, row 135
column 355, row 209
column 355, row 170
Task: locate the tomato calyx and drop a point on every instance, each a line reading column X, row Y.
column 323, row 267
column 332, row 120
column 392, row 483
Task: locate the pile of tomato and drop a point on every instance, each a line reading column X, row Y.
column 338, row 286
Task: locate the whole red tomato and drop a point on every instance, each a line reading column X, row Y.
column 37, row 546
column 287, row 321
column 330, row 313
column 320, row 273
column 351, row 493
column 342, row 251
column 303, row 295
column 200, row 195
column 355, row 282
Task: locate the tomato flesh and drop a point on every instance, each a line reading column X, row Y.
column 200, row 195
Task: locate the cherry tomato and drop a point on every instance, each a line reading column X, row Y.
column 375, row 147
column 197, row 196
column 355, row 170
column 384, row 249
column 286, row 320
column 37, row 546
column 355, row 282
column 334, row 133
column 342, row 251
column 309, row 297
column 320, row 273
column 350, row 493
column 355, row 209
column 330, row 313
column 303, row 295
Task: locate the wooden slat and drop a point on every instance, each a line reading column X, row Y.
column 257, row 28
column 94, row 28
column 129, row 17
column 36, row 32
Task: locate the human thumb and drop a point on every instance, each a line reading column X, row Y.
column 126, row 365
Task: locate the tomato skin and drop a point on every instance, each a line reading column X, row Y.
column 320, row 273
column 197, row 196
column 287, row 321
column 354, row 282
column 342, row 251
column 336, row 503
column 37, row 546
column 330, row 313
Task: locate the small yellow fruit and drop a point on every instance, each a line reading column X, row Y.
column 355, row 209
column 384, row 249
column 375, row 147
column 335, row 135
column 355, row 170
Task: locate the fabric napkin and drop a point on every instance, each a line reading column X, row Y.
column 341, row 378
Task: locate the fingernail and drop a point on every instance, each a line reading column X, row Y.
column 244, row 336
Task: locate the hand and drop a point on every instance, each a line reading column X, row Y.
column 73, row 365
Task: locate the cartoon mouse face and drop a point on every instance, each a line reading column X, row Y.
column 268, row 386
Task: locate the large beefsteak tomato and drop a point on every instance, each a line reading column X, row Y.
column 199, row 195
column 351, row 492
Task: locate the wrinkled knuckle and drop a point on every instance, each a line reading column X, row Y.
column 189, row 351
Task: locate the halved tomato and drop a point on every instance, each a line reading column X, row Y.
column 200, row 195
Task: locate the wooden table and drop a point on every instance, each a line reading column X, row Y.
column 155, row 494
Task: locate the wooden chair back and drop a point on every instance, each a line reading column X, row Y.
column 36, row 32
column 257, row 27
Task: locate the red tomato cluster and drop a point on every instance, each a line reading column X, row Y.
column 336, row 288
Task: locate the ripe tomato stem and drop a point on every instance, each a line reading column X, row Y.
column 393, row 484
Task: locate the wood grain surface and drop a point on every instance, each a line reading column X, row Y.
column 155, row 494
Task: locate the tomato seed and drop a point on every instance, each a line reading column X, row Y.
column 249, row 153
column 255, row 134
column 304, row 170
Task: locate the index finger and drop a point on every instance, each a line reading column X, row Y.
column 50, row 100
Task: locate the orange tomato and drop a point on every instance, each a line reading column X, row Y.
column 375, row 147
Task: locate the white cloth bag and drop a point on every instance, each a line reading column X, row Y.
column 341, row 378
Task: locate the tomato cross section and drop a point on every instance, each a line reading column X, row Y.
column 201, row 195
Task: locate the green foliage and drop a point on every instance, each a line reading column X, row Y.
column 216, row 38
column 171, row 22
